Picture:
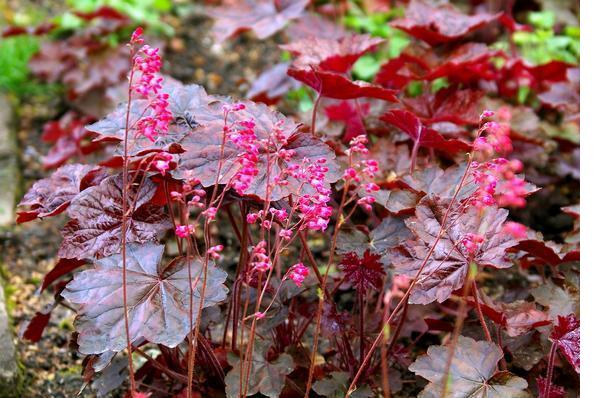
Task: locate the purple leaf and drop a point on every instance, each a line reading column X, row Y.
column 158, row 298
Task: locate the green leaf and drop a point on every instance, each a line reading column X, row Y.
column 366, row 67
column 542, row 19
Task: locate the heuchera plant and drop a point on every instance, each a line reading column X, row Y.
column 355, row 261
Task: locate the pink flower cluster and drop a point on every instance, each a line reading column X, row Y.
column 243, row 136
column 471, row 243
column 260, row 259
column 148, row 83
column 498, row 183
column 363, row 172
column 314, row 209
column 497, row 139
column 297, row 273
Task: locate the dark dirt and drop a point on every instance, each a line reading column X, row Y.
column 51, row 367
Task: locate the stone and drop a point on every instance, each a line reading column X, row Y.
column 8, row 164
column 9, row 370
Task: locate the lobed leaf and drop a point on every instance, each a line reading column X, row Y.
column 158, row 298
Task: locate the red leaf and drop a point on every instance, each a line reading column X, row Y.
column 62, row 267
column 461, row 107
column 566, row 336
column 68, row 134
column 95, row 228
column 410, row 124
column 555, row 391
column 272, row 84
column 351, row 115
column 466, row 64
column 363, row 273
column 334, row 55
column 158, row 298
column 335, row 85
column 442, row 24
column 33, row 329
column 539, row 250
column 263, row 17
column 102, row 12
column 52, row 195
column 446, row 269
column 398, row 72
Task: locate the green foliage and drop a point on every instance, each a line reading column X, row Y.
column 377, row 24
column 15, row 53
column 543, row 45
column 147, row 12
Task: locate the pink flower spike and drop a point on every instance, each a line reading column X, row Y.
column 259, row 315
column 136, row 36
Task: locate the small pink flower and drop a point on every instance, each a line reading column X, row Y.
column 251, row 218
column 183, row 231
column 297, row 273
column 285, row 234
column 214, row 251
column 259, row 315
column 472, row 243
column 210, row 213
column 366, row 202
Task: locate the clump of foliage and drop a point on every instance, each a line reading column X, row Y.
column 226, row 249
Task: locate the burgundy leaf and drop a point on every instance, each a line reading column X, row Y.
column 158, row 298
column 539, row 250
column 461, row 107
column 555, row 391
column 95, row 228
column 33, row 329
column 203, row 149
column 447, row 267
column 351, row 115
column 334, row 55
column 263, row 17
column 566, row 336
column 466, row 64
column 68, row 135
column 399, row 71
column 517, row 317
column 62, row 267
column 410, row 124
column 338, row 86
column 442, row 24
column 363, row 273
column 473, row 371
column 272, row 84
column 52, row 195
